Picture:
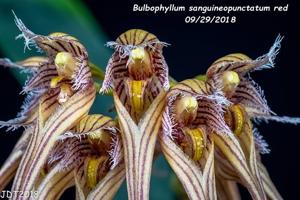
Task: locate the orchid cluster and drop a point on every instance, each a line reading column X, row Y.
column 203, row 126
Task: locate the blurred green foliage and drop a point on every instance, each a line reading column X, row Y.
column 74, row 18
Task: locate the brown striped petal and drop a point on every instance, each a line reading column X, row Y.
column 232, row 150
column 44, row 137
column 55, row 183
column 10, row 166
column 41, row 79
column 73, row 153
column 249, row 94
column 139, row 143
column 109, row 185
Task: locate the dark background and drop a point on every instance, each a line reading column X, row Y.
column 193, row 48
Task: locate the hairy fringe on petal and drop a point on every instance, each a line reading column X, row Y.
column 124, row 50
column 261, row 145
column 26, row 116
column 270, row 56
column 116, row 152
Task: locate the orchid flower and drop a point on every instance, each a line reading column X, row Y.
column 138, row 75
column 136, row 71
column 60, row 92
column 248, row 103
column 90, row 157
column 202, row 126
column 194, row 130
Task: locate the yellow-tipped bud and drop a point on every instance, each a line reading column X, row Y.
column 137, row 54
column 186, row 109
column 65, row 64
column 230, row 81
column 195, row 143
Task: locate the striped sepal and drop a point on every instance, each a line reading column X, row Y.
column 135, row 37
column 96, row 128
column 55, row 183
column 247, row 142
column 81, row 182
column 269, row 187
column 242, row 64
column 94, row 123
column 48, row 104
column 10, row 166
column 139, row 143
column 209, row 182
column 34, row 62
column 109, row 185
column 188, row 172
column 44, row 138
column 227, row 190
column 224, row 169
column 237, row 62
column 30, row 64
column 233, row 152
column 191, row 87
